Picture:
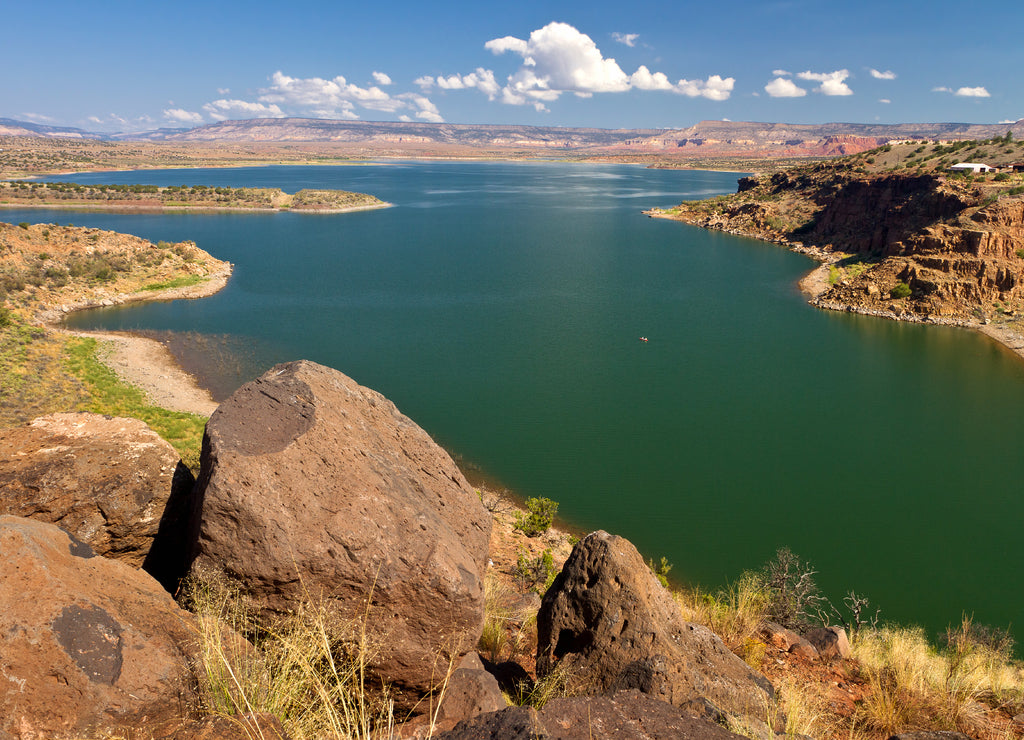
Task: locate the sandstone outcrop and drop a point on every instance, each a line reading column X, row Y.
column 87, row 644
column 624, row 714
column 111, row 482
column 956, row 247
column 607, row 619
column 313, row 486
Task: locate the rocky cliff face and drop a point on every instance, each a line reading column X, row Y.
column 957, row 246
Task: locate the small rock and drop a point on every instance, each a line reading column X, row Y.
column 830, row 642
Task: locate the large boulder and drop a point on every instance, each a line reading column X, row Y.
column 312, row 486
column 111, row 482
column 87, row 645
column 608, row 620
column 623, row 714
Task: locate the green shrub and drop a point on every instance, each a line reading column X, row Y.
column 660, row 570
column 537, row 573
column 1001, row 177
column 1020, row 253
column 541, row 514
column 24, row 225
column 900, row 290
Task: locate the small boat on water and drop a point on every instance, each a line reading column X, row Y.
column 643, row 339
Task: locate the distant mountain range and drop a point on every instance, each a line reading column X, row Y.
column 707, row 138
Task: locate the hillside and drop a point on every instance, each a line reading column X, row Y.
column 28, row 149
column 900, row 234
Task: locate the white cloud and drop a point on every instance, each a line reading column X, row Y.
column 783, row 88
column 832, row 83
column 183, row 116
column 559, row 59
column 426, row 110
column 38, row 117
column 884, row 100
column 223, row 91
column 644, row 79
column 381, row 79
column 942, row 89
column 481, row 79
column 972, row 92
column 1017, row 121
column 714, row 88
column 887, row 75
column 425, row 82
column 220, row 110
column 629, row 39
column 781, row 73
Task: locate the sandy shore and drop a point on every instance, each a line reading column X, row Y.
column 148, row 365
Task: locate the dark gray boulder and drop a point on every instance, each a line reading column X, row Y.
column 607, row 620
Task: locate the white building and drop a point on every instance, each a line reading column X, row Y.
column 972, row 167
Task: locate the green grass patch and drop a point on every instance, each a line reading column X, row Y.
column 109, row 395
column 178, row 282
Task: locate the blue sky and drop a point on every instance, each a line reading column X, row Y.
column 130, row 66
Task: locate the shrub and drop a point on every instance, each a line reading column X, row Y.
column 1001, row 177
column 660, row 570
column 794, row 600
column 5, row 317
column 900, row 290
column 24, row 225
column 535, row 574
column 541, row 514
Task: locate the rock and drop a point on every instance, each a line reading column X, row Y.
column 779, row 636
column 607, row 620
column 98, row 646
column 830, row 642
column 314, row 486
column 111, row 482
column 234, row 727
column 803, row 649
column 471, row 691
column 625, row 714
column 788, row 641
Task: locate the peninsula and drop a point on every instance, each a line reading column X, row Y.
column 21, row 194
column 901, row 232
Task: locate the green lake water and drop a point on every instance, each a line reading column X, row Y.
column 500, row 306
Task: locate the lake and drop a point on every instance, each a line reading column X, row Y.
column 500, row 305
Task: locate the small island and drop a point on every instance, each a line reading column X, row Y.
column 32, row 194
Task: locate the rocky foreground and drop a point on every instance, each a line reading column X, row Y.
column 314, row 488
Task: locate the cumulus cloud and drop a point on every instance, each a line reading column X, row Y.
column 780, row 87
column 887, row 75
column 223, row 109
column 832, row 83
column 964, row 92
column 884, row 100
column 183, row 116
column 480, row 79
column 559, row 59
column 972, row 92
column 629, row 39
column 781, row 73
column 714, row 88
column 381, row 79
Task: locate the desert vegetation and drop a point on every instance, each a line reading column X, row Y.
column 68, row 194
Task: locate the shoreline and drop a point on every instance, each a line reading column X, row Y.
column 815, row 283
column 85, row 206
column 143, row 362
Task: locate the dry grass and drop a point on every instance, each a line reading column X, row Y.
column 916, row 686
column 309, row 668
column 735, row 613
